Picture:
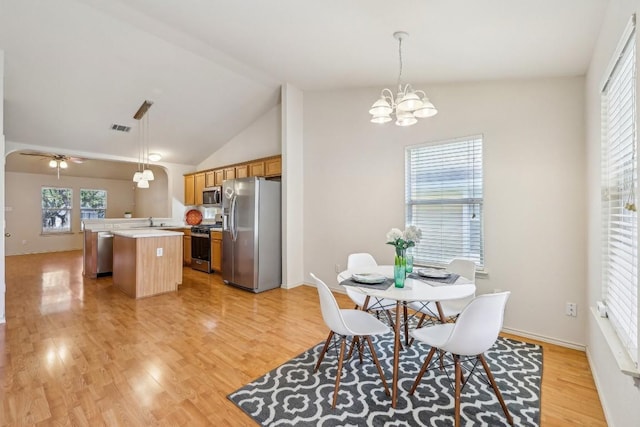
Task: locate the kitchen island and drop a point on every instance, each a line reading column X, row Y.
column 147, row 262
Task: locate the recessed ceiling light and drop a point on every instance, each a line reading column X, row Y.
column 155, row 157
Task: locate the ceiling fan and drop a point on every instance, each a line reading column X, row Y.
column 56, row 161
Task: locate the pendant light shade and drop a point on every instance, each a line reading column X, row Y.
column 147, row 175
column 137, row 176
column 143, row 183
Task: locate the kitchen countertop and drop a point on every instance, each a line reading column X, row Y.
column 137, row 233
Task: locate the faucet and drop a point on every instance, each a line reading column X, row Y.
column 150, row 221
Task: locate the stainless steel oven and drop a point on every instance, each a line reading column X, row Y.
column 201, row 248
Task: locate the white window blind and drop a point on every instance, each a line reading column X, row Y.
column 444, row 198
column 619, row 183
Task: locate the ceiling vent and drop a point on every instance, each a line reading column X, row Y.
column 120, row 128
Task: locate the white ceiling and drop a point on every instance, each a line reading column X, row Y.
column 72, row 68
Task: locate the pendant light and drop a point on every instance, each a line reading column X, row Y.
column 408, row 105
column 144, row 174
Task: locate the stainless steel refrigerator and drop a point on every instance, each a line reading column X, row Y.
column 251, row 236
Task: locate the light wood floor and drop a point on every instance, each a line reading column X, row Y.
column 79, row 352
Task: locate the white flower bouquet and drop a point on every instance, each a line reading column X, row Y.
column 402, row 240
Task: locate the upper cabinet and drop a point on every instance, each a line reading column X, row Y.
column 273, row 167
column 198, row 187
column 229, row 173
column 189, row 193
column 270, row 167
column 209, row 179
column 219, row 176
column 256, row 168
column 242, row 171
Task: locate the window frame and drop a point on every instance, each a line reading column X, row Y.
column 475, row 197
column 69, row 212
column 621, row 329
column 83, row 209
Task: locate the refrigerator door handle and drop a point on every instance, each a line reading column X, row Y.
column 234, row 219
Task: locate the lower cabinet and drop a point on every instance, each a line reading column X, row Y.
column 186, row 246
column 216, row 251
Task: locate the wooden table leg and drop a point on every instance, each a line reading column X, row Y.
column 396, row 356
column 440, row 312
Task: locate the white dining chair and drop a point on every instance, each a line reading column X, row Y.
column 474, row 332
column 450, row 308
column 347, row 323
column 365, row 263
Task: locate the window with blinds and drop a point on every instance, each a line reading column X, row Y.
column 619, row 183
column 444, row 198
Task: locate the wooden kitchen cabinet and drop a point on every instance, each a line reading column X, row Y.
column 209, row 179
column 256, row 169
column 273, row 167
column 216, row 251
column 198, row 187
column 242, row 171
column 189, row 190
column 229, row 173
column 219, row 177
column 186, row 247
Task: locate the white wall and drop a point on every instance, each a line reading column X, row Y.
column 619, row 393
column 534, row 188
column 152, row 201
column 292, row 187
column 261, row 139
column 24, row 213
column 2, row 184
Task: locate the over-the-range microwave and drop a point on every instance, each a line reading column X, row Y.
column 212, row 196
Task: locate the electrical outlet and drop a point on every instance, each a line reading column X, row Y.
column 159, row 252
column 571, row 309
column 338, row 268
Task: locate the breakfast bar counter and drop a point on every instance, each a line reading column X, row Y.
column 146, row 261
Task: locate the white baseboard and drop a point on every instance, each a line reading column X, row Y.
column 291, row 285
column 543, row 338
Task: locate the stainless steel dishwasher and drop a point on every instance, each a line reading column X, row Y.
column 105, row 253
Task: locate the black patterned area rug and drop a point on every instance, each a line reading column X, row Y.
column 293, row 394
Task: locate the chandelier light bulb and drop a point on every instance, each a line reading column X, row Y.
column 53, row 163
column 63, row 164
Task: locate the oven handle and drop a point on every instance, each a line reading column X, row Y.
column 206, row 236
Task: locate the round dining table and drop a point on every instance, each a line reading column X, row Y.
column 422, row 290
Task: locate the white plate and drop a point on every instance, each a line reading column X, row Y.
column 368, row 278
column 434, row 274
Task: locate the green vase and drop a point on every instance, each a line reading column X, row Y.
column 400, row 268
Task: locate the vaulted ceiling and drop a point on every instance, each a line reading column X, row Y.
column 73, row 68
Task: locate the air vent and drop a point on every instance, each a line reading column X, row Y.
column 120, row 128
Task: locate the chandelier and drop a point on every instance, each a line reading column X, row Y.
column 408, row 105
column 144, row 174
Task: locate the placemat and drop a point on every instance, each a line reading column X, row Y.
column 381, row 286
column 447, row 280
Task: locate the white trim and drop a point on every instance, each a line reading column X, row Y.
column 624, row 39
column 561, row 343
column 625, row 364
column 599, row 388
